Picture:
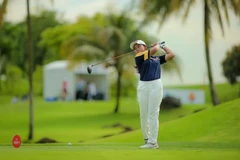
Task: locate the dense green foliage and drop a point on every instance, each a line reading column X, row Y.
column 231, row 65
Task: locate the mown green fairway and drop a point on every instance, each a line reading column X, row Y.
column 118, row 151
column 209, row 134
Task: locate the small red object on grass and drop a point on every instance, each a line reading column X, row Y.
column 16, row 141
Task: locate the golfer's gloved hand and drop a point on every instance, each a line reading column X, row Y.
column 162, row 44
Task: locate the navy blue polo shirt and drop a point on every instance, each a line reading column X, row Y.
column 149, row 66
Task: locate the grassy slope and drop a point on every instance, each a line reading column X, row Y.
column 210, row 135
column 75, row 121
column 217, row 124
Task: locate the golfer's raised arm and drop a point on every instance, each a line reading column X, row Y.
column 169, row 54
column 154, row 48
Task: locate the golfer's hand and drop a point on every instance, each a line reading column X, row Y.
column 162, row 44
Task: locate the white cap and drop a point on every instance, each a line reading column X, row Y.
column 137, row 42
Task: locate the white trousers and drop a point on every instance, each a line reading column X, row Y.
column 149, row 94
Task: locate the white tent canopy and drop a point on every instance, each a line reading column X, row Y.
column 55, row 73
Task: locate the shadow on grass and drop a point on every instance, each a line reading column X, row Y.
column 118, row 125
column 46, row 140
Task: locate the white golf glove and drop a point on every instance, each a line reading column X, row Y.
column 162, row 44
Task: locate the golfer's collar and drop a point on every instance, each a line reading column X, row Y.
column 141, row 53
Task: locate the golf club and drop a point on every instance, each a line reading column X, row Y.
column 89, row 68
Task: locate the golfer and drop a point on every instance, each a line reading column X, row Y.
column 150, row 89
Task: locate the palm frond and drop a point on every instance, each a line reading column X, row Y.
column 235, row 5
column 225, row 11
column 157, row 9
column 111, row 31
column 69, row 45
column 87, row 52
column 189, row 5
column 215, row 5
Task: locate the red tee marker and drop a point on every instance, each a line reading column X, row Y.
column 16, row 141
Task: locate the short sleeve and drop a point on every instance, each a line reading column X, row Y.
column 162, row 59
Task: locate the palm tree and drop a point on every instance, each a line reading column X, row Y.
column 212, row 9
column 108, row 40
column 3, row 7
column 104, row 41
column 2, row 13
column 30, row 73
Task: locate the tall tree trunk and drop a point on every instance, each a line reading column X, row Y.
column 238, row 88
column 3, row 11
column 118, row 91
column 1, row 66
column 207, row 28
column 31, row 123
